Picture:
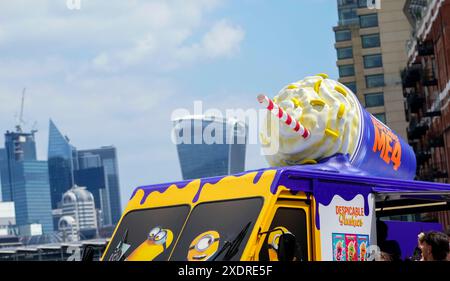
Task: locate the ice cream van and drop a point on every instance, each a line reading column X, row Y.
column 326, row 211
column 336, row 172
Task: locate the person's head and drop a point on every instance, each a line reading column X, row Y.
column 417, row 254
column 434, row 246
column 420, row 239
column 385, row 256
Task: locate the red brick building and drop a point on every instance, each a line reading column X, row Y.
column 426, row 87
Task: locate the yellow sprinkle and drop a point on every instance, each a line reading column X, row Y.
column 341, row 111
column 308, row 161
column 263, row 139
column 331, row 133
column 341, row 90
column 275, row 99
column 317, row 102
column 292, row 86
column 323, row 75
column 317, row 86
column 296, row 102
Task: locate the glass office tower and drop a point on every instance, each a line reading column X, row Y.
column 19, row 146
column 106, row 157
column 96, row 169
column 95, row 180
column 199, row 158
column 3, row 173
column 60, row 164
column 32, row 194
column 25, row 181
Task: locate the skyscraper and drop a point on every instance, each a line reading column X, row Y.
column 370, row 45
column 25, row 181
column 96, row 169
column 19, row 146
column 96, row 182
column 60, row 164
column 199, row 158
column 106, row 157
column 3, row 173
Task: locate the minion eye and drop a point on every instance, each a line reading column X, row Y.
column 275, row 240
column 161, row 235
column 154, row 232
column 204, row 243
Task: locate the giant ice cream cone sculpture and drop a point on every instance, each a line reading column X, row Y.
column 319, row 117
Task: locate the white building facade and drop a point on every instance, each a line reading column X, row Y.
column 78, row 213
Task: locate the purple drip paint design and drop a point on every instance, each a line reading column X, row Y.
column 202, row 184
column 258, row 176
column 331, row 176
column 161, row 188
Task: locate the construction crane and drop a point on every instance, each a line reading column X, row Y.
column 21, row 122
column 20, row 119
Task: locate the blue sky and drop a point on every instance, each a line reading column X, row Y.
column 112, row 72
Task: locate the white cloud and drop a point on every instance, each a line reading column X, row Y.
column 103, row 73
column 116, row 34
column 168, row 49
column 223, row 39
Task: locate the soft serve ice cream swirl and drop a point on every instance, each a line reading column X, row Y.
column 328, row 109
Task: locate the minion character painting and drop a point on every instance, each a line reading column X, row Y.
column 158, row 241
column 273, row 242
column 204, row 246
column 336, row 171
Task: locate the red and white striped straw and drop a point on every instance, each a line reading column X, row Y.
column 283, row 116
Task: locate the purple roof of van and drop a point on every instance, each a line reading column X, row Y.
column 332, row 169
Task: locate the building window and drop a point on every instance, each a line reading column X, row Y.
column 346, row 2
column 370, row 41
column 369, row 20
column 381, row 117
column 347, row 12
column 346, row 70
column 372, row 61
column 362, row 3
column 376, row 80
column 345, row 53
column 351, row 86
column 375, row 99
column 343, row 35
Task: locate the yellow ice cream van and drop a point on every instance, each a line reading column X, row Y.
column 324, row 211
column 340, row 170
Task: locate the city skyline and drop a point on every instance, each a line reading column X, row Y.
column 94, row 168
column 37, row 186
column 129, row 104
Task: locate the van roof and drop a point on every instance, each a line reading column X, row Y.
column 333, row 169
